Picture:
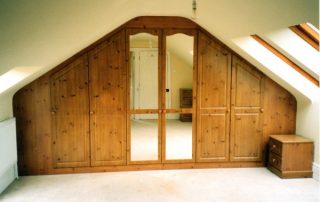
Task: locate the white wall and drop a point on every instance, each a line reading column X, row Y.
column 8, row 153
column 308, row 123
column 6, row 110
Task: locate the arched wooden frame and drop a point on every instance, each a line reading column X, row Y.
column 193, row 33
column 158, row 33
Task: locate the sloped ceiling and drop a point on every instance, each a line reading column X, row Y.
column 42, row 34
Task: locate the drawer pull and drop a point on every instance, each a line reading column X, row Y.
column 273, row 160
column 274, row 146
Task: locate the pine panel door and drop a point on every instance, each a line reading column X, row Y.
column 107, row 73
column 246, row 112
column 70, row 115
column 214, row 74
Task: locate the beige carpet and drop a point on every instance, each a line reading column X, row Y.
column 144, row 140
column 198, row 185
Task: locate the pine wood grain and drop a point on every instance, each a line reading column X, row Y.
column 290, row 156
column 107, row 75
column 213, row 101
column 246, row 112
column 70, row 115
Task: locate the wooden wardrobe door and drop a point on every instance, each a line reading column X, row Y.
column 108, row 102
column 246, row 112
column 70, row 115
column 213, row 101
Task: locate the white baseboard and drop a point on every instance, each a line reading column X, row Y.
column 315, row 170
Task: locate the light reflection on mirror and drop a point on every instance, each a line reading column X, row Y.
column 179, row 137
column 179, row 70
column 144, row 72
column 179, row 84
column 144, row 139
column 144, row 95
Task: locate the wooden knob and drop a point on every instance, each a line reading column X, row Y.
column 53, row 112
column 91, row 112
column 261, row 110
column 274, row 146
column 273, row 160
column 227, row 110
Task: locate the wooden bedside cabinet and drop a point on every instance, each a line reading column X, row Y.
column 290, row 156
column 185, row 102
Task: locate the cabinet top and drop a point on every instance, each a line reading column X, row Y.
column 290, row 138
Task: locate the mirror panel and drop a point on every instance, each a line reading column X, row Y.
column 144, row 71
column 144, row 138
column 178, row 136
column 179, row 71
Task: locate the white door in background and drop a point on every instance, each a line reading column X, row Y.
column 148, row 82
column 144, row 75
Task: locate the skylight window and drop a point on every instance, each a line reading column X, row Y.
column 310, row 77
column 296, row 49
column 308, row 33
column 313, row 27
column 276, row 66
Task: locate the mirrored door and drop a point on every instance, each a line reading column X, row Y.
column 144, row 116
column 161, row 126
column 178, row 134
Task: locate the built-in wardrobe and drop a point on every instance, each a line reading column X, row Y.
column 119, row 104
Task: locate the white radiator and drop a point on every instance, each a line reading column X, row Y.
column 8, row 153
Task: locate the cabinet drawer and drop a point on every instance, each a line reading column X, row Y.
column 275, row 146
column 187, row 102
column 274, row 161
column 185, row 98
column 187, row 93
column 186, row 117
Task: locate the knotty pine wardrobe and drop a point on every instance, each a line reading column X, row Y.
column 77, row 117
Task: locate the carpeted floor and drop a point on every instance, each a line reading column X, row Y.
column 198, row 185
